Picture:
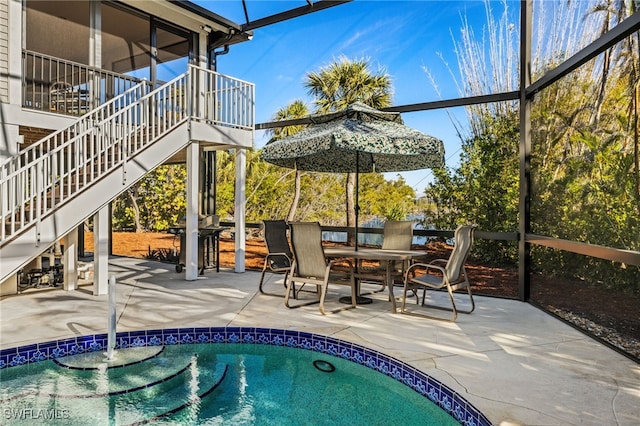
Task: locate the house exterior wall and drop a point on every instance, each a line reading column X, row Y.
column 4, row 51
column 10, row 75
column 31, row 134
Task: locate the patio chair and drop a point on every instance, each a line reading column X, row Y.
column 439, row 274
column 397, row 235
column 310, row 266
column 279, row 257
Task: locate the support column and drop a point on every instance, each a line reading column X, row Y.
column 240, row 213
column 101, row 251
column 95, row 49
column 208, row 205
column 80, row 232
column 70, row 261
column 191, row 231
column 524, row 226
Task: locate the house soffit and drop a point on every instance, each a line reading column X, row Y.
column 194, row 18
column 184, row 14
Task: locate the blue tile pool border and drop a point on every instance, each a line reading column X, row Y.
column 447, row 399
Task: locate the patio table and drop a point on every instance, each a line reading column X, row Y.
column 388, row 257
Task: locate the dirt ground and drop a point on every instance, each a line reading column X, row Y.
column 492, row 281
column 610, row 316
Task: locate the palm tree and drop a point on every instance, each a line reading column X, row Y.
column 296, row 109
column 341, row 84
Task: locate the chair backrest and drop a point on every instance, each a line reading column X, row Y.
column 398, row 235
column 463, row 240
column 275, row 238
column 306, row 241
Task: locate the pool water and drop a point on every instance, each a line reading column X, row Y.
column 210, row 384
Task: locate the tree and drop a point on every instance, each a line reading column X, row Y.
column 341, row 84
column 390, row 199
column 296, row 109
column 154, row 203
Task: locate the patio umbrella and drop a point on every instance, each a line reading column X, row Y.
column 354, row 140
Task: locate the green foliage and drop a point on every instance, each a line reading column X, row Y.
column 379, row 197
column 347, row 81
column 296, row 109
column 584, row 182
column 484, row 189
column 154, row 203
column 158, row 200
column 394, row 212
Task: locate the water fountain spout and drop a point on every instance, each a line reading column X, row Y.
column 111, row 336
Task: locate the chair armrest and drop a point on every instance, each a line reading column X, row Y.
column 271, row 260
column 277, row 254
column 425, row 266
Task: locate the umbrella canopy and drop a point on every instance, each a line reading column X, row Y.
column 356, row 139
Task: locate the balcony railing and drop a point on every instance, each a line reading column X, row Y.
column 66, row 87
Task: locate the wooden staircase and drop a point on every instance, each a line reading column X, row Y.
column 52, row 186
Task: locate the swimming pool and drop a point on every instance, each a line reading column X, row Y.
column 243, row 367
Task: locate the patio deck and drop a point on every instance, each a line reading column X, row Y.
column 513, row 362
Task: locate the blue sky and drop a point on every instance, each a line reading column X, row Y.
column 400, row 37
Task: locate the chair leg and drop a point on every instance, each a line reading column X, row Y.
column 404, row 296
column 290, row 286
column 293, row 285
column 264, row 271
column 262, row 290
column 473, row 303
column 453, row 308
column 324, row 294
column 453, row 304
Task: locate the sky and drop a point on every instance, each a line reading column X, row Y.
column 400, row 38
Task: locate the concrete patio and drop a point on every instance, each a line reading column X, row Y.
column 515, row 363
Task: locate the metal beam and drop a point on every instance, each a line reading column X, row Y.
column 449, row 103
column 293, row 13
column 424, row 106
column 524, row 204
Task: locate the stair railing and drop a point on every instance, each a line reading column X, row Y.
column 87, row 120
column 70, row 160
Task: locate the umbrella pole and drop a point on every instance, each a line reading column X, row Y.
column 357, row 201
column 360, row 300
